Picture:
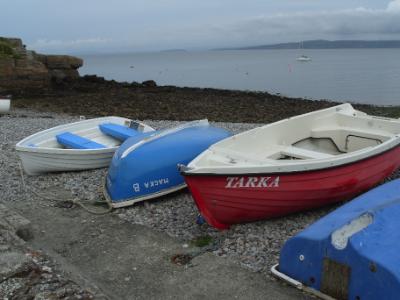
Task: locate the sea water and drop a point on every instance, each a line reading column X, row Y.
column 370, row 76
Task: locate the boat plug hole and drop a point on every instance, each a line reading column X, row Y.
column 312, row 280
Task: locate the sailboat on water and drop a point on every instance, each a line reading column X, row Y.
column 303, row 58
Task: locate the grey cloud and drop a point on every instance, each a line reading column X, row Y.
column 360, row 23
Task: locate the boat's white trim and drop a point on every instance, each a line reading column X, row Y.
column 298, row 284
column 294, row 166
column 132, row 201
column 164, row 133
column 36, row 163
column 66, row 151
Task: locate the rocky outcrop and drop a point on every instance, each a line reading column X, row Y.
column 22, row 69
column 149, row 83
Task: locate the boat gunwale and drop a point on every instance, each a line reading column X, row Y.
column 301, row 165
column 62, row 151
column 187, row 171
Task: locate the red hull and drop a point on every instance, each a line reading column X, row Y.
column 228, row 199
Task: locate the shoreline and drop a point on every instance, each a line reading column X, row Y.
column 94, row 96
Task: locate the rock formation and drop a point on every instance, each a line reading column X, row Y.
column 22, row 69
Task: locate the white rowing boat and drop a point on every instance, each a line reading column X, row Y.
column 88, row 144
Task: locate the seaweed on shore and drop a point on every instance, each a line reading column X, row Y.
column 95, row 96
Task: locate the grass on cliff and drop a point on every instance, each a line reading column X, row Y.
column 6, row 50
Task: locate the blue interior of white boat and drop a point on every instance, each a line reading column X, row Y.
column 74, row 141
column 362, row 236
column 152, row 167
column 117, row 131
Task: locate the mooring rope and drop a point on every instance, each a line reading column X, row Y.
column 77, row 202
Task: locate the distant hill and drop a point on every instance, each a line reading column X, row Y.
column 325, row 44
column 174, row 50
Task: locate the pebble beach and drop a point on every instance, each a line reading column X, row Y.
column 255, row 246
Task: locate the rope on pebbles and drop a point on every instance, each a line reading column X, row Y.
column 76, row 202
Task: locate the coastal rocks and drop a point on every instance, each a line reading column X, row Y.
column 60, row 62
column 149, row 83
column 22, row 69
column 93, row 79
column 61, row 67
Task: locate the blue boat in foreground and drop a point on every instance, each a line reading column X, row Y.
column 145, row 166
column 352, row 253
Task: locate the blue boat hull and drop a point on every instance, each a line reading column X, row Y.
column 352, row 253
column 142, row 169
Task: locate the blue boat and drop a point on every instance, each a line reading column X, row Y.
column 353, row 252
column 145, row 166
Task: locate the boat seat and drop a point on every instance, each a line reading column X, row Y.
column 304, row 153
column 117, row 131
column 349, row 139
column 370, row 134
column 230, row 156
column 73, row 141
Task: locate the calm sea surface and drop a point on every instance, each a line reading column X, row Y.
column 360, row 75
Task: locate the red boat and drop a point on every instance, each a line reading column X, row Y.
column 292, row 165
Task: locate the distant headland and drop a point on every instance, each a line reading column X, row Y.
column 325, row 44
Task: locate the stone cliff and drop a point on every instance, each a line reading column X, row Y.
column 22, row 69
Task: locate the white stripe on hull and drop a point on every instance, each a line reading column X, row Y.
column 36, row 163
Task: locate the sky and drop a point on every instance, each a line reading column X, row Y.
column 105, row 26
